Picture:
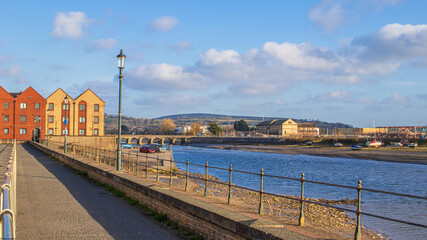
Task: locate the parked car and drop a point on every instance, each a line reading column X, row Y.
column 158, row 147
column 125, row 145
column 147, row 149
column 396, row 144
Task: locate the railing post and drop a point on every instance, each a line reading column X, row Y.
column 206, row 180
column 170, row 171
column 98, row 152
column 301, row 214
column 186, row 176
column 358, row 233
column 146, row 165
column 230, row 170
column 157, row 173
column 137, row 166
column 129, row 161
column 261, row 191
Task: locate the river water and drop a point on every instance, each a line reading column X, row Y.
column 387, row 176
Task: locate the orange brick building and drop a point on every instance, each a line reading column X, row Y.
column 24, row 115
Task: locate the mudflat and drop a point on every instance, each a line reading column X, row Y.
column 390, row 154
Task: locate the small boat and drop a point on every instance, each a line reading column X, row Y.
column 412, row 145
column 356, row 147
column 396, row 144
column 337, row 144
column 374, row 143
column 309, row 143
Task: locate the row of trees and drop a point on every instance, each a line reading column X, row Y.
column 168, row 127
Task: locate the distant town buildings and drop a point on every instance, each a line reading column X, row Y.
column 288, row 127
column 27, row 115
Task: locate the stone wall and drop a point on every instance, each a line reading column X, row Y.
column 107, row 142
column 211, row 221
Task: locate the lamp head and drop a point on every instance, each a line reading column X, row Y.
column 121, row 60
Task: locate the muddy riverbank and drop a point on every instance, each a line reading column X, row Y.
column 405, row 155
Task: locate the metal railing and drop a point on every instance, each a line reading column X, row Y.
column 8, row 199
column 135, row 163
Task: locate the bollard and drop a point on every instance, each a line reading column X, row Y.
column 358, row 233
column 301, row 214
column 206, row 180
column 146, row 165
column 186, row 176
column 170, row 172
column 261, row 191
column 229, row 185
column 137, row 164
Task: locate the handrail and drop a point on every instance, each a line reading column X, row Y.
column 89, row 152
column 8, row 198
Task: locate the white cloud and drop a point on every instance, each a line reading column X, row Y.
column 395, row 41
column 165, row 76
column 162, row 24
column 276, row 67
column 333, row 96
column 13, row 72
column 180, row 46
column 100, row 44
column 397, row 99
column 69, row 25
column 328, row 15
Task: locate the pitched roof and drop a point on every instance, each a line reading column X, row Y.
column 60, row 89
column 306, row 125
column 279, row 122
column 266, row 123
column 89, row 90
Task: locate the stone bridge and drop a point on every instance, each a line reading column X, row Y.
column 171, row 139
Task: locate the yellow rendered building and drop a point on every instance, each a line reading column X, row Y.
column 84, row 114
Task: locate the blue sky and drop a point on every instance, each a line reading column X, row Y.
column 337, row 61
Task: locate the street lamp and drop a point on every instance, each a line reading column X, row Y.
column 121, row 64
column 47, row 124
column 65, row 123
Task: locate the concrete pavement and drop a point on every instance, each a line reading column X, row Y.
column 53, row 202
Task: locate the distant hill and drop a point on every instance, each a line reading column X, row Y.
column 251, row 120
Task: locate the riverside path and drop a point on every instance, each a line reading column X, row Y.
column 53, row 202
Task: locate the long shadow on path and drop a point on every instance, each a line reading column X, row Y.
column 117, row 217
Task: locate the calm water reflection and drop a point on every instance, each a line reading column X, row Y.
column 388, row 176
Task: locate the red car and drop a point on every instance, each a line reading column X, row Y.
column 147, row 150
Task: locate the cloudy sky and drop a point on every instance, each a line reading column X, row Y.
column 337, row 61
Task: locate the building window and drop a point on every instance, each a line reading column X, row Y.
column 37, row 118
column 37, row 105
column 65, row 106
column 50, row 131
column 6, row 131
column 6, row 105
column 23, row 118
column 64, row 131
column 82, row 132
column 22, row 131
column 82, row 119
column 23, row 105
column 65, row 118
column 51, row 106
column 82, row 107
column 51, row 119
column 96, row 132
column 6, row 118
column 96, row 107
column 96, row 119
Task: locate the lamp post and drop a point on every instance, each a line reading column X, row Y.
column 47, row 128
column 121, row 64
column 65, row 123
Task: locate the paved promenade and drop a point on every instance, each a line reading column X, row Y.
column 53, row 202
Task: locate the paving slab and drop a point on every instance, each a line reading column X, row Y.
column 53, row 202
